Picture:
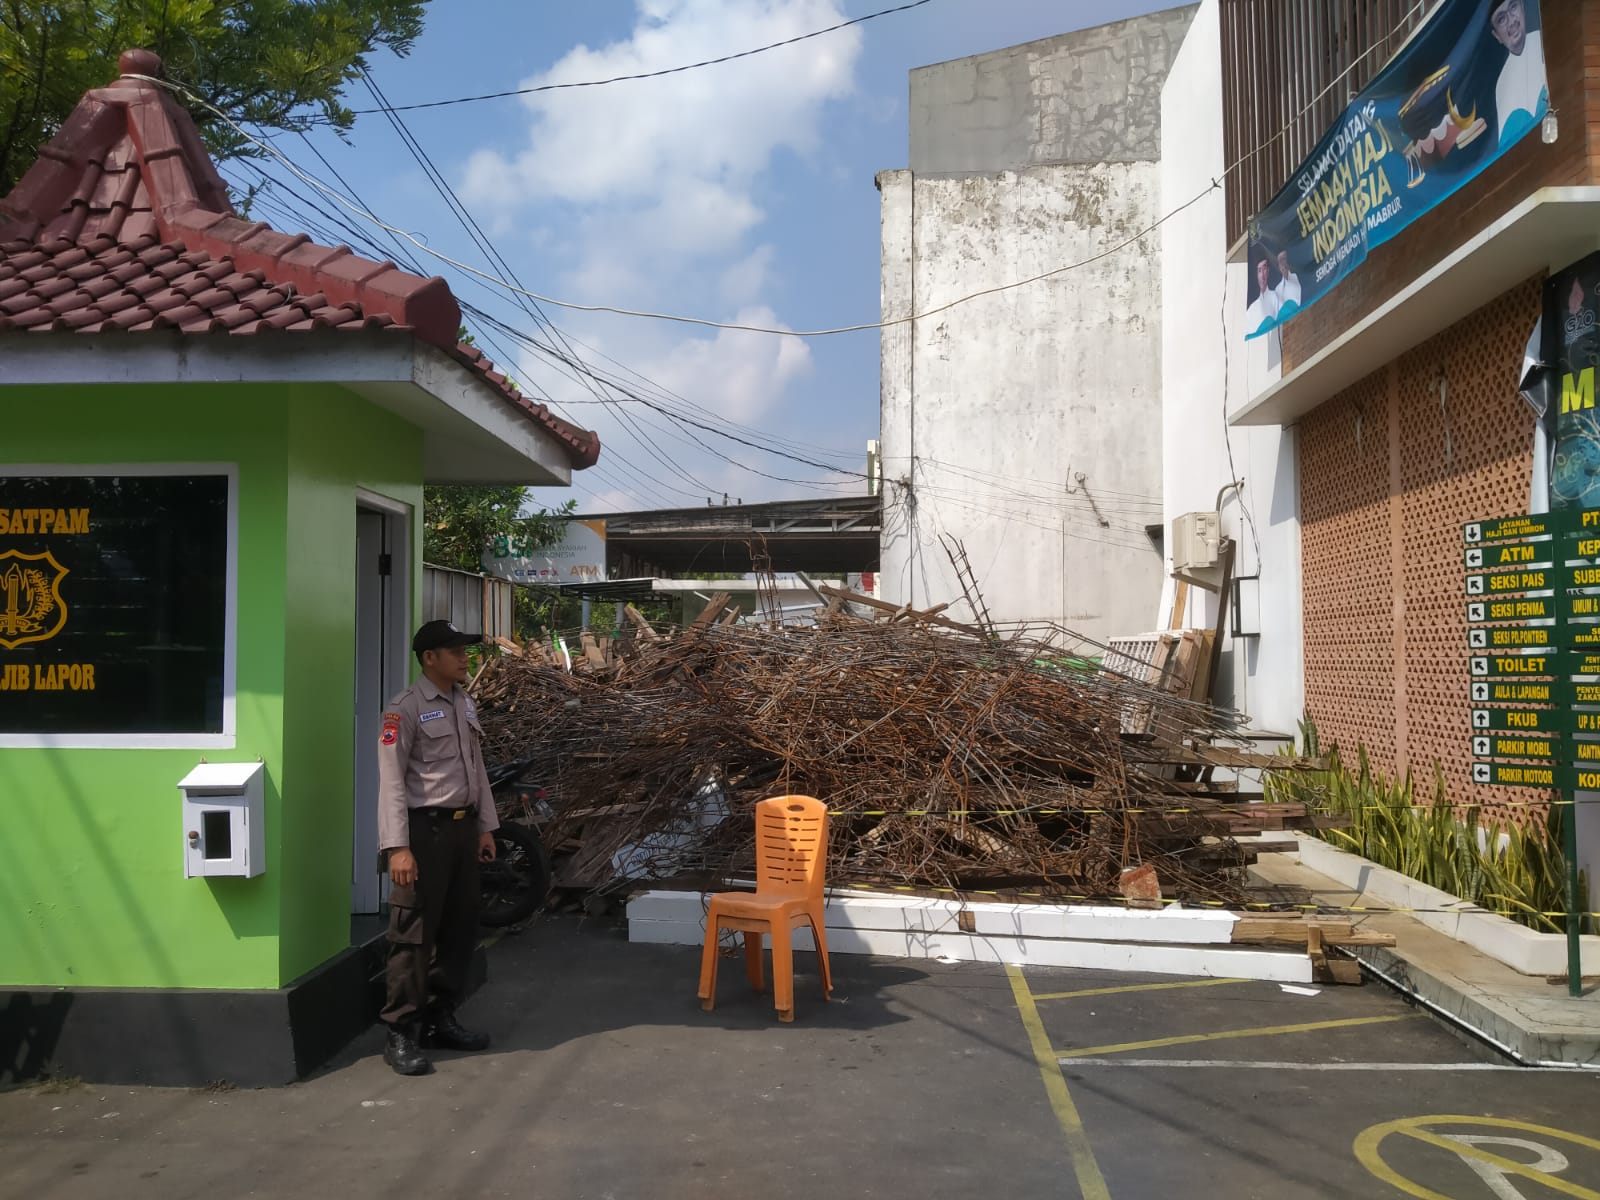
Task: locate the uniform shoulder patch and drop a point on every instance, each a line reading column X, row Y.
column 391, row 728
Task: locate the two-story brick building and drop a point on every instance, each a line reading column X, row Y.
column 1373, row 423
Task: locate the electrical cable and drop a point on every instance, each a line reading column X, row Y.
column 591, row 83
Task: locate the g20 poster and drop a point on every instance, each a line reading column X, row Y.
column 1571, row 346
column 1467, row 87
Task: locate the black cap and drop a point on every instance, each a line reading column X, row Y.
column 437, row 635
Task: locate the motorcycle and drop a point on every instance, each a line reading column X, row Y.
column 517, row 883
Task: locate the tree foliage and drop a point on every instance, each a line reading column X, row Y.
column 461, row 520
column 280, row 64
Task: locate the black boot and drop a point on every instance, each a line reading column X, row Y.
column 445, row 1033
column 403, row 1053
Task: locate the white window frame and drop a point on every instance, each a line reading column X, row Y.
column 228, row 738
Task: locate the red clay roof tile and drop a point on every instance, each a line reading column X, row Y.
column 123, row 223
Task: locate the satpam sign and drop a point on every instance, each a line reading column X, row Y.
column 579, row 557
column 113, row 603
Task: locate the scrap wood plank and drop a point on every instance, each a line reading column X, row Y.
column 883, row 606
column 642, row 625
column 1291, row 931
column 591, row 649
column 713, row 609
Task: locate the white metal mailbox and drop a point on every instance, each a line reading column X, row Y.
column 223, row 820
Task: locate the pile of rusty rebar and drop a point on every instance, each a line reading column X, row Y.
column 949, row 758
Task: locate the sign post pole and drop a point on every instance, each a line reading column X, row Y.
column 1569, row 523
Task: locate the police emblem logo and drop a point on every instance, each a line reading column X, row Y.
column 31, row 607
column 391, row 728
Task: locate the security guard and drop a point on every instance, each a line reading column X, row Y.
column 436, row 822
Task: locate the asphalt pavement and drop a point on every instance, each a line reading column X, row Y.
column 920, row 1079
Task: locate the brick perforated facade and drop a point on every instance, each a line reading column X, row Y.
column 1572, row 64
column 1390, row 470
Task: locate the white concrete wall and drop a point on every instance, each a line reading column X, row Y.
column 993, row 408
column 1202, row 368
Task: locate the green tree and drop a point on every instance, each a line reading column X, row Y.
column 280, row 64
column 460, row 521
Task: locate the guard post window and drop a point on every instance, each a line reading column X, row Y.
column 114, row 592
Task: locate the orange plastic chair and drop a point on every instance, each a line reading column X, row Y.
column 791, row 858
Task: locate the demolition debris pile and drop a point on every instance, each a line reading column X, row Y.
column 949, row 758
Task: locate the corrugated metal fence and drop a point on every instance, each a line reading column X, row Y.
column 471, row 602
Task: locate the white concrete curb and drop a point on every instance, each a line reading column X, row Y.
column 1171, row 941
column 1522, row 949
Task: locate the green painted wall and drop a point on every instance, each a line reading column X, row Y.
column 91, row 853
column 337, row 444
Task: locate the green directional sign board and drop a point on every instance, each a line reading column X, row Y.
column 1526, row 721
column 1585, row 754
column 1515, row 691
column 1500, row 665
column 1514, row 774
column 1491, row 745
column 1505, row 528
column 1535, row 688
column 1512, row 554
column 1521, row 608
column 1514, row 637
column 1496, row 583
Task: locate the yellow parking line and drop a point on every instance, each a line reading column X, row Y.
column 1091, row 1183
column 1227, row 1034
column 1136, row 987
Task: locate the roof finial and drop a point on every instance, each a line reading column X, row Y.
column 140, row 62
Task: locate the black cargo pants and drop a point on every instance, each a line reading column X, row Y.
column 433, row 924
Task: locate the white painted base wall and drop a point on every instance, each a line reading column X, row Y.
column 1522, row 949
column 1168, row 942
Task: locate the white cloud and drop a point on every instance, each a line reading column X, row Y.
column 655, row 189
column 716, row 126
column 737, row 374
column 746, row 279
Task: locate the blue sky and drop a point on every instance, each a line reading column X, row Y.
column 741, row 192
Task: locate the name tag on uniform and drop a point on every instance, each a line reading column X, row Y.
column 433, row 716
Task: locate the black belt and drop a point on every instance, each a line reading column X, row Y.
column 436, row 813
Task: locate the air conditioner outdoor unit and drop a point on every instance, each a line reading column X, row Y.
column 1196, row 541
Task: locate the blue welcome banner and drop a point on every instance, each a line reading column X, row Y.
column 1467, row 87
